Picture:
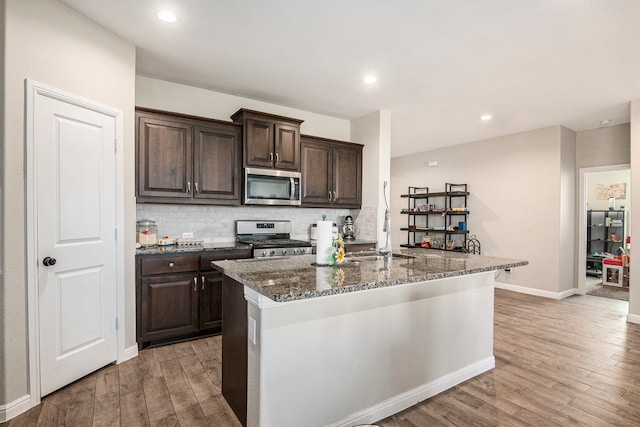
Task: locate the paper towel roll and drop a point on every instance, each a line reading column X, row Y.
column 324, row 241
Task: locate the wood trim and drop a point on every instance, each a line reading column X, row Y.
column 245, row 113
column 333, row 141
column 186, row 116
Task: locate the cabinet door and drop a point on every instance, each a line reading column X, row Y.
column 259, row 143
column 169, row 306
column 164, row 156
column 216, row 161
column 316, row 173
column 287, row 147
column 210, row 300
column 347, row 176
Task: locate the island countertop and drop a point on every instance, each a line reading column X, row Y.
column 294, row 278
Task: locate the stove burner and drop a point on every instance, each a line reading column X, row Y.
column 274, row 243
column 271, row 240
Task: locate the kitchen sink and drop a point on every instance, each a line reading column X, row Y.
column 370, row 257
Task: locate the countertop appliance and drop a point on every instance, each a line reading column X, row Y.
column 348, row 228
column 270, row 238
column 271, row 187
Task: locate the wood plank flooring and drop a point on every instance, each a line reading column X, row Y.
column 574, row 362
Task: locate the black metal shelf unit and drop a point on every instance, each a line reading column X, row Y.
column 437, row 215
column 605, row 234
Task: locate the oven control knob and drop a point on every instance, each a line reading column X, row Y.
column 272, row 253
column 284, row 251
column 295, row 250
column 264, row 253
column 303, row 250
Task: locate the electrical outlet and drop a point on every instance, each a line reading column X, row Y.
column 187, row 235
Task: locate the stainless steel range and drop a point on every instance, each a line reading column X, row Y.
column 270, row 238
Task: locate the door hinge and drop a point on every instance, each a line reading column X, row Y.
column 117, row 323
column 115, row 146
column 116, row 233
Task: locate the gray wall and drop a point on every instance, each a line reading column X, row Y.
column 522, row 196
column 49, row 43
column 603, row 146
column 3, row 317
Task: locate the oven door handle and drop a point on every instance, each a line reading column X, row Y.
column 292, row 183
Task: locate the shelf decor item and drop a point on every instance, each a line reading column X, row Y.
column 605, row 231
column 437, row 220
column 336, row 252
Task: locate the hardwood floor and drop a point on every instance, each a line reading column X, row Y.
column 558, row 363
column 174, row 385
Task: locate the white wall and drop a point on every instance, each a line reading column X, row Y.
column 515, row 204
column 375, row 131
column 608, row 177
column 3, row 316
column 169, row 96
column 603, row 146
column 634, row 280
column 567, row 229
column 48, row 42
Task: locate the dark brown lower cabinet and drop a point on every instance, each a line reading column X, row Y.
column 211, row 303
column 171, row 306
column 179, row 295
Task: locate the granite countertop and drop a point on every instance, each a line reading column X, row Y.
column 207, row 247
column 294, row 278
column 353, row 242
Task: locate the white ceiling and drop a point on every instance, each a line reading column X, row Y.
column 440, row 64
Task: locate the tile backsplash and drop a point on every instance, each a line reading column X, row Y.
column 217, row 223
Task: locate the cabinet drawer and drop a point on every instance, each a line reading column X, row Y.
column 168, row 264
column 205, row 260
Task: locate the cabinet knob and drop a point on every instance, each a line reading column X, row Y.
column 171, row 265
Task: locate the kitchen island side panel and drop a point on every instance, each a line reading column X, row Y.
column 234, row 347
column 359, row 357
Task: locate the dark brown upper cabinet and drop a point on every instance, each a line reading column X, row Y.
column 269, row 141
column 331, row 173
column 186, row 159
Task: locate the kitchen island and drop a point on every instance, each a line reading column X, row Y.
column 356, row 342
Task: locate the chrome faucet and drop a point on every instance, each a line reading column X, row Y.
column 386, row 227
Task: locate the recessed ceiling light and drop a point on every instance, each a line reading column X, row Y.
column 486, row 117
column 370, row 79
column 167, row 16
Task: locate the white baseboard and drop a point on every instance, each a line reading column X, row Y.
column 128, row 353
column 15, row 408
column 633, row 318
column 536, row 292
column 405, row 400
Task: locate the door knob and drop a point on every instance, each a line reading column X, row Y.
column 48, row 261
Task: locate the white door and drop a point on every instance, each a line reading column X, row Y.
column 76, row 225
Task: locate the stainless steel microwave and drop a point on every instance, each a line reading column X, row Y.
column 271, row 187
